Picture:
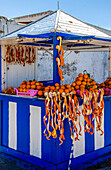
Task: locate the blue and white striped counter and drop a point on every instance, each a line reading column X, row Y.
column 22, row 135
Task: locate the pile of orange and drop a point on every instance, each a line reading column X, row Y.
column 26, row 85
column 10, row 90
column 60, row 88
column 83, row 82
column 106, row 84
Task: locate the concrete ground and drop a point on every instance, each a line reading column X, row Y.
column 10, row 163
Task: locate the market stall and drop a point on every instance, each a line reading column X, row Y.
column 29, row 127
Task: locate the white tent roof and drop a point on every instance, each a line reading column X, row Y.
column 58, row 21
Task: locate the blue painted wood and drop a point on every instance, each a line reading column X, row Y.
column 56, row 78
column 0, row 122
column 107, row 121
column 27, row 158
column 89, row 142
column 0, row 71
column 23, row 137
column 48, row 146
column 5, row 125
column 53, row 155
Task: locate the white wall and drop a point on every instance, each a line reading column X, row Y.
column 8, row 25
column 96, row 63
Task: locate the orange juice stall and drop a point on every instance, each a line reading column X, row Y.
column 48, row 123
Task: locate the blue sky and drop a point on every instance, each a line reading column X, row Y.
column 96, row 12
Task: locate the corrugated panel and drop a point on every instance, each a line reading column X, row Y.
column 79, row 146
column 45, row 24
column 72, row 25
column 35, row 131
column 99, row 140
column 12, row 125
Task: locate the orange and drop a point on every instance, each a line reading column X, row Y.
column 66, row 90
column 28, row 86
column 37, row 84
column 77, row 87
column 24, row 86
column 24, row 82
column 33, row 82
column 80, row 75
column 109, row 82
column 56, row 84
column 72, row 88
column 51, row 90
column 41, row 84
column 61, row 91
column 62, row 86
column 90, row 89
column 95, row 86
column 24, row 90
column 38, row 87
column 40, row 93
column 93, row 82
column 83, row 82
column 74, row 92
column 76, row 79
column 57, row 87
column 85, row 79
column 52, row 87
column 73, row 84
column 33, row 86
column 68, row 86
column 80, row 78
column 88, row 83
column 28, row 82
column 86, row 76
column 78, row 82
column 82, row 86
column 21, row 90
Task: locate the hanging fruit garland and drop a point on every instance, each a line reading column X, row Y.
column 60, row 106
column 20, row 55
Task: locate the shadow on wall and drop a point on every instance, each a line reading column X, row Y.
column 96, row 63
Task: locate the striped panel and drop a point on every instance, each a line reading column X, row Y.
column 35, row 131
column 12, row 141
column 79, row 146
column 99, row 140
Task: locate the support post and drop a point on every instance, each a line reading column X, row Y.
column 109, row 61
column 56, row 78
column 0, row 70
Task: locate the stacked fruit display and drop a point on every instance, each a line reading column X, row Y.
column 83, row 82
column 106, row 85
column 25, row 86
column 10, row 90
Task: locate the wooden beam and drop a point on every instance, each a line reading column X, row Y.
column 109, row 61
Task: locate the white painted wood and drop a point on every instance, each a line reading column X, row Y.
column 109, row 61
column 57, row 18
column 4, row 68
column 79, row 146
column 99, row 140
column 12, row 125
column 36, row 64
column 46, row 24
column 35, row 131
column 70, row 24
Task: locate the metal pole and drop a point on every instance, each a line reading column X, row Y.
column 56, row 78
